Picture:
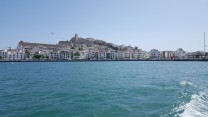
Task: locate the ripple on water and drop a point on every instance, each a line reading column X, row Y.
column 185, row 83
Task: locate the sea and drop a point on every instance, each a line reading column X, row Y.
column 104, row 89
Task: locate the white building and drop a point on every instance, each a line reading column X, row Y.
column 127, row 55
column 119, row 55
column 102, row 55
column 83, row 54
column 13, row 54
column 154, row 54
column 64, row 55
column 5, row 54
column 19, row 55
column 180, row 54
column 54, row 55
column 145, row 55
column 92, row 54
column 137, row 54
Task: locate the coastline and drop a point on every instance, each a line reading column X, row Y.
column 186, row 60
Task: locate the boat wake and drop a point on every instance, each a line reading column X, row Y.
column 191, row 103
column 197, row 107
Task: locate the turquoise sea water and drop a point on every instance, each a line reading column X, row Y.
column 104, row 89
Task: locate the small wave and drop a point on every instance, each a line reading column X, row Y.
column 197, row 107
column 184, row 82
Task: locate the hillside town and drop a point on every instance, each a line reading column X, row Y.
column 91, row 49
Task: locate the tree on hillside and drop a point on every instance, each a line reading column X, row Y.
column 108, row 56
column 47, row 57
column 116, row 48
column 81, row 49
column 76, row 54
column 27, row 53
column 38, row 56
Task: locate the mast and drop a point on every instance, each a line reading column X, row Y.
column 204, row 44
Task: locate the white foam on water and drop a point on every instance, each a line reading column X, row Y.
column 197, row 107
column 185, row 82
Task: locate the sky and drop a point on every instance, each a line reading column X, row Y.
column 148, row 24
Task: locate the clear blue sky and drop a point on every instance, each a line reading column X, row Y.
column 160, row 24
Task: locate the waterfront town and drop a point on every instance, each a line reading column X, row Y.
column 91, row 49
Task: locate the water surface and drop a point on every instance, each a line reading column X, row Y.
column 104, row 89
